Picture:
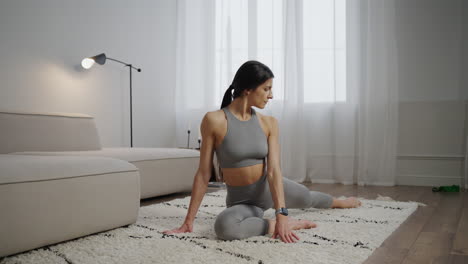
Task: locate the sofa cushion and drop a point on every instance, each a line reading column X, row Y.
column 162, row 170
column 30, row 168
column 128, row 154
column 26, row 131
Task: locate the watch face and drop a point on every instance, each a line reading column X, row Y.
column 282, row 211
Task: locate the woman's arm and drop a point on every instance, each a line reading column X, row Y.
column 275, row 180
column 202, row 177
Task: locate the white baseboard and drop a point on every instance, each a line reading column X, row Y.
column 388, row 184
column 329, row 181
column 426, row 180
column 412, row 180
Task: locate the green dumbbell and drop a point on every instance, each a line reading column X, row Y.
column 453, row 188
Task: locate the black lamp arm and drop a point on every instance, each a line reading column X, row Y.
column 126, row 64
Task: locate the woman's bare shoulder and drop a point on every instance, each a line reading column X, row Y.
column 269, row 120
column 214, row 118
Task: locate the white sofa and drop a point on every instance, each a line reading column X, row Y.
column 46, row 200
column 162, row 170
column 57, row 182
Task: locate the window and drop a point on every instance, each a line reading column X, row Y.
column 324, row 50
column 324, row 43
column 231, row 36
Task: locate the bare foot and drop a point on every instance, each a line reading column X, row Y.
column 294, row 224
column 351, row 202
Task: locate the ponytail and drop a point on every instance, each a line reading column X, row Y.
column 249, row 76
column 227, row 99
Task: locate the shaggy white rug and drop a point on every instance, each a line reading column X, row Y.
column 342, row 236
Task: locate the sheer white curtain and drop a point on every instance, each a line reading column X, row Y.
column 352, row 135
column 335, row 85
column 195, row 86
column 377, row 99
column 293, row 132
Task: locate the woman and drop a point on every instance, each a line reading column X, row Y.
column 247, row 148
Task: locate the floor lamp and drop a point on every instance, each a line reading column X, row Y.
column 101, row 59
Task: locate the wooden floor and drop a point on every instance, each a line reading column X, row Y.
column 437, row 233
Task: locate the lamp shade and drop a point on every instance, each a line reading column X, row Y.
column 89, row 62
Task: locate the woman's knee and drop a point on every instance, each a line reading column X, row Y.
column 321, row 200
column 227, row 227
column 239, row 221
column 297, row 195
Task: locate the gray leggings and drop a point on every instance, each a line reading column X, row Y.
column 243, row 216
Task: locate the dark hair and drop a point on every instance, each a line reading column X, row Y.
column 249, row 76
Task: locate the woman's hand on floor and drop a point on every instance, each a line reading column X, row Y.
column 184, row 228
column 283, row 230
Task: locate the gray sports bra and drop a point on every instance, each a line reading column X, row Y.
column 244, row 144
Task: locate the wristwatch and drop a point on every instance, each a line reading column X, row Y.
column 282, row 211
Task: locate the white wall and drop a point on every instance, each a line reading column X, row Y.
column 429, row 46
column 464, row 85
column 43, row 42
column 432, row 80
